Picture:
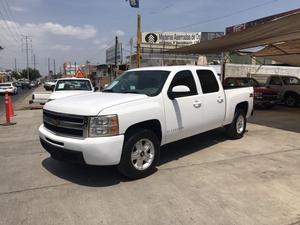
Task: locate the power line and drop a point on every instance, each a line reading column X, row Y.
column 100, row 50
column 7, row 25
column 12, row 17
column 224, row 16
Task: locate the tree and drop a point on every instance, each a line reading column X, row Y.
column 15, row 75
column 33, row 74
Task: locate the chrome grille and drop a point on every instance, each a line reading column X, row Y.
column 65, row 124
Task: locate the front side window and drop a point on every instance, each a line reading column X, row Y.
column 147, row 82
column 208, row 81
column 185, row 78
column 73, row 85
column 275, row 81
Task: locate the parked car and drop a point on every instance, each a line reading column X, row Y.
column 263, row 96
column 65, row 87
column 288, row 88
column 8, row 87
column 140, row 111
column 49, row 85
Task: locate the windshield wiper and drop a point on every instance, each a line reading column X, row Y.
column 131, row 92
column 108, row 90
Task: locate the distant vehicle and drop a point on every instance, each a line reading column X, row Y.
column 263, row 96
column 8, row 87
column 140, row 111
column 49, row 85
column 64, row 88
column 17, row 84
column 288, row 88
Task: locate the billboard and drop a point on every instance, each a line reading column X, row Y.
column 110, row 54
column 171, row 38
column 244, row 26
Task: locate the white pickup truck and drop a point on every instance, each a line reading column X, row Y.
column 140, row 111
column 64, row 87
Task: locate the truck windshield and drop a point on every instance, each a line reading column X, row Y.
column 73, row 85
column 291, row 80
column 147, row 82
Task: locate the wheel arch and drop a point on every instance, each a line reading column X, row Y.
column 153, row 125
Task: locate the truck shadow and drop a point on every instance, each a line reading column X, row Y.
column 94, row 176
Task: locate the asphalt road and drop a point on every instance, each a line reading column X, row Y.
column 22, row 93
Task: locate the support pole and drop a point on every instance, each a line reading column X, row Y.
column 138, row 40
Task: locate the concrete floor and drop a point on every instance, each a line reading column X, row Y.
column 206, row 179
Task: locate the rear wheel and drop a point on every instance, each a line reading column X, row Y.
column 140, row 154
column 291, row 100
column 237, row 128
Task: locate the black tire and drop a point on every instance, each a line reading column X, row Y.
column 291, row 100
column 126, row 166
column 232, row 130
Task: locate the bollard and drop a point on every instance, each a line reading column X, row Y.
column 6, row 101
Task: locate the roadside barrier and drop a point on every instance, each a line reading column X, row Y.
column 8, row 109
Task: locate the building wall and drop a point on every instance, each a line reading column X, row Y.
column 259, row 72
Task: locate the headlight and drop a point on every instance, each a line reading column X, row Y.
column 100, row 126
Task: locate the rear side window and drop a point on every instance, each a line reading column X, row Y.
column 208, row 81
column 185, row 78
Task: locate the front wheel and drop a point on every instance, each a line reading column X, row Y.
column 237, row 128
column 140, row 154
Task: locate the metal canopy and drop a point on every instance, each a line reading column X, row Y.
column 286, row 28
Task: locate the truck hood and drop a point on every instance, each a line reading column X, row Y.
column 90, row 104
column 62, row 94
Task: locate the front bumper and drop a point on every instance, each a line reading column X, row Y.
column 100, row 151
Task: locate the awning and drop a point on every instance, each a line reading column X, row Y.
column 286, row 28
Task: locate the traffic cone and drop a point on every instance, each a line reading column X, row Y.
column 6, row 101
column 10, row 107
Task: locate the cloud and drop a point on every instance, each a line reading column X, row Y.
column 61, row 47
column 18, row 9
column 118, row 32
column 84, row 32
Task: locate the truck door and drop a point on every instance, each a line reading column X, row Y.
column 182, row 113
column 212, row 100
column 276, row 84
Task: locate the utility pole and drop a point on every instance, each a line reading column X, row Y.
column 48, row 67
column 27, row 58
column 16, row 65
column 75, row 69
column 34, row 62
column 116, row 56
column 138, row 40
column 131, row 46
column 54, row 67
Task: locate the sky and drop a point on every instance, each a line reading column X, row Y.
column 77, row 31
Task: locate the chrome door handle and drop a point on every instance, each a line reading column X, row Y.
column 197, row 104
column 220, row 100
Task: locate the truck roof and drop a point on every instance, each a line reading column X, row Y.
column 173, row 68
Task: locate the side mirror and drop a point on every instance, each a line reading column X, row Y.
column 52, row 88
column 96, row 89
column 179, row 91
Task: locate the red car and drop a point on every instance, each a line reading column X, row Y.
column 263, row 96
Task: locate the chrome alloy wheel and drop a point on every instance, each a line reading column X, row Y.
column 142, row 154
column 240, row 124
